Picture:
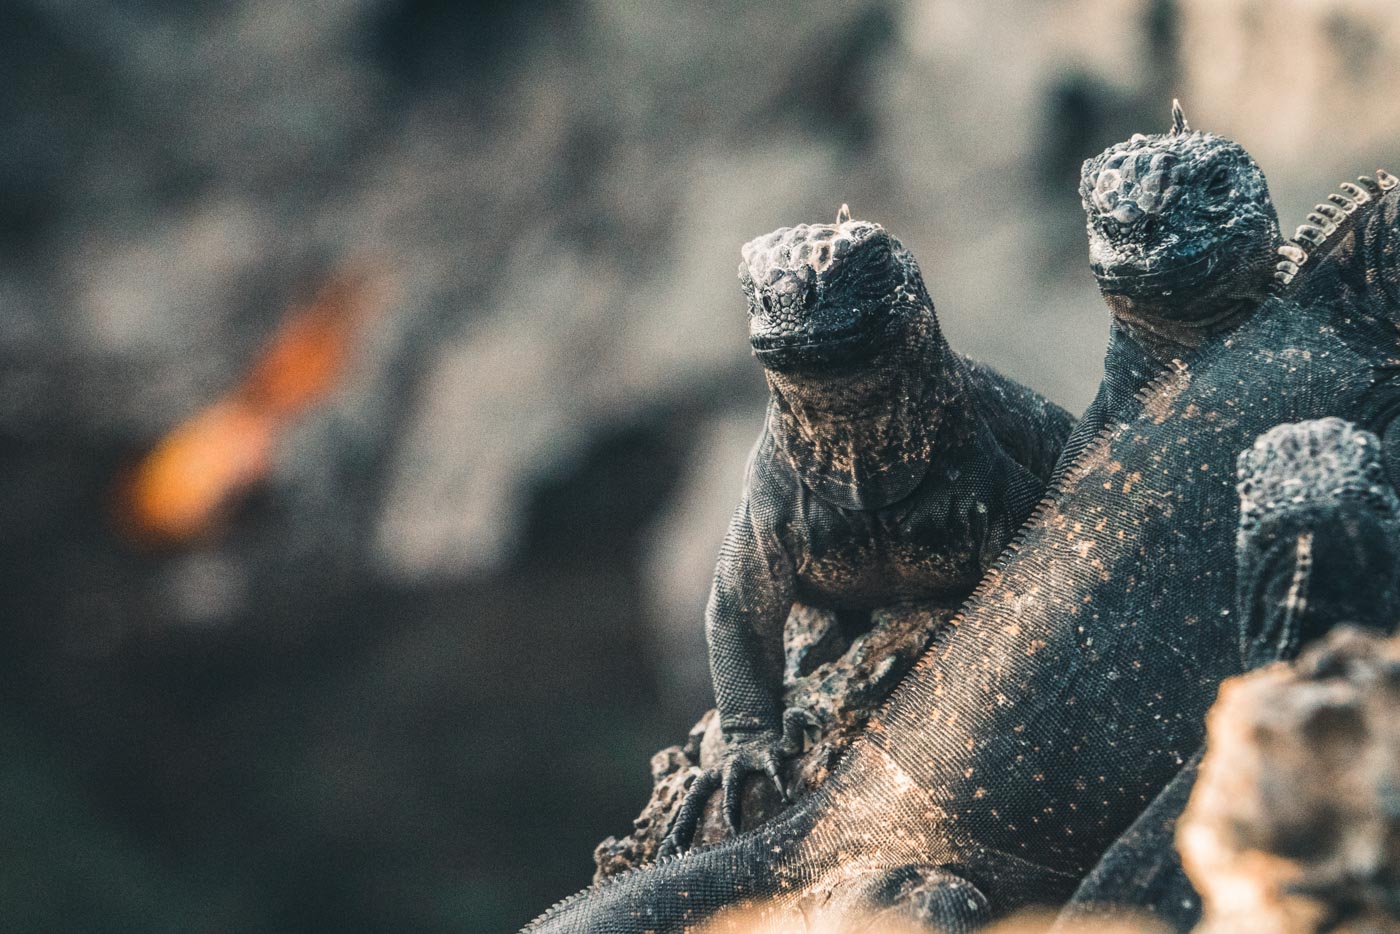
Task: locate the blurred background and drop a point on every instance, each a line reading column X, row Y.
column 374, row 390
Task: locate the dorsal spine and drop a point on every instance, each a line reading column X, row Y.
column 1329, row 223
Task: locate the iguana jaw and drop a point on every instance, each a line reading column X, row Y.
column 1136, row 282
column 839, row 344
column 1185, row 294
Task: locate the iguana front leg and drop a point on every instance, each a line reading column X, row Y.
column 749, row 603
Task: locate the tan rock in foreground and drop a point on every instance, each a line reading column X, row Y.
column 1294, row 825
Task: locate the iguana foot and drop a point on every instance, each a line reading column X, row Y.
column 751, row 754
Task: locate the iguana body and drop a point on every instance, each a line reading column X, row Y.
column 1318, row 547
column 889, row 470
column 1073, row 687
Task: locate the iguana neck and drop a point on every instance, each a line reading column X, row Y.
column 1172, row 328
column 865, row 439
column 1168, row 340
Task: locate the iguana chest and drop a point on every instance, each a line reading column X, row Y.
column 924, row 549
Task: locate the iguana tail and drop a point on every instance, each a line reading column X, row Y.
column 681, row 892
column 833, row 853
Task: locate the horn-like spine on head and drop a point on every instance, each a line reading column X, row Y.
column 843, row 215
column 1179, row 124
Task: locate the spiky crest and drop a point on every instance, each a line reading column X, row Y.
column 1328, row 224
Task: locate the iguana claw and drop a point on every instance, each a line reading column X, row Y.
column 763, row 752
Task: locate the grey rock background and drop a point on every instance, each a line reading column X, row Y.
column 419, row 670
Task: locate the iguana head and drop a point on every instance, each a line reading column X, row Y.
column 825, row 296
column 859, row 375
column 1319, row 535
column 1182, row 230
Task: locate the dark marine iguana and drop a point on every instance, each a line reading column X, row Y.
column 1318, row 547
column 1073, row 685
column 890, row 469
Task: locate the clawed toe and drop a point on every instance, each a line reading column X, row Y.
column 687, row 818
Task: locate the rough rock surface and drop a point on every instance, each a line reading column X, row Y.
column 839, row 667
column 1293, row 826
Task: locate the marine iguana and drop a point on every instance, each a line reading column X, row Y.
column 1318, row 547
column 1182, row 243
column 1073, row 685
column 890, row 469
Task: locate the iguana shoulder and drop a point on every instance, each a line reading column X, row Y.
column 1028, row 426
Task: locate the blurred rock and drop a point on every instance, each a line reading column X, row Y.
column 1306, row 85
column 749, row 920
column 1292, row 827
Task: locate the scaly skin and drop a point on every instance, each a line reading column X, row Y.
column 1318, row 547
column 889, row 470
column 1073, row 687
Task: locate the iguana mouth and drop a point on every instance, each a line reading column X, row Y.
column 831, row 346
column 1134, row 281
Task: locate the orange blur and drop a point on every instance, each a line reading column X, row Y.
column 197, row 472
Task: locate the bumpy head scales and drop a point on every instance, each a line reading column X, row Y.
column 1319, row 537
column 1173, row 218
column 1311, row 464
column 820, row 294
